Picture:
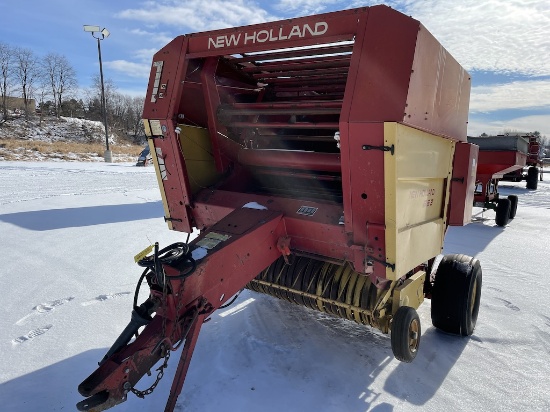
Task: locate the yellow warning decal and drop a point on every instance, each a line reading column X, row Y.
column 143, row 253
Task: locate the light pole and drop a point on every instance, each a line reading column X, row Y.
column 102, row 34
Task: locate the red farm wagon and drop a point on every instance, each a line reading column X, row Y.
column 498, row 155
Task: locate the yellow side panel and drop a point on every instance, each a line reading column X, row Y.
column 199, row 161
column 415, row 179
column 147, row 128
column 160, row 171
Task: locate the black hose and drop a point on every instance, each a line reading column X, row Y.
column 138, row 287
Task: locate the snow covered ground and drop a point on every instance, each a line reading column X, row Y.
column 69, row 232
column 53, row 130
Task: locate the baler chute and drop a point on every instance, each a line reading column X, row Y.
column 322, row 159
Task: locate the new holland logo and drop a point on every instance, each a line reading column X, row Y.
column 262, row 36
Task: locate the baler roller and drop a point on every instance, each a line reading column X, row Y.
column 333, row 107
column 280, row 125
column 288, row 159
column 286, row 54
column 310, row 80
column 325, row 88
column 300, row 65
column 300, row 73
column 326, row 287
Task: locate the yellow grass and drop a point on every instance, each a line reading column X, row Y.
column 19, row 149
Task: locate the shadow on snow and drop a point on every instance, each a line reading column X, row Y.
column 52, row 219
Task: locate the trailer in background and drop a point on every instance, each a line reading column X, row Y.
column 533, row 169
column 498, row 155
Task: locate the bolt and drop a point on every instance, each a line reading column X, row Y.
column 127, row 370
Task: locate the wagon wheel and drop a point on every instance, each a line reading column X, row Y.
column 405, row 334
column 456, row 294
column 503, row 212
column 513, row 205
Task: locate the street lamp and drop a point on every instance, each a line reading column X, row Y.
column 102, row 34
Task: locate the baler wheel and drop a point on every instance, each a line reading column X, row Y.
column 405, row 334
column 513, row 205
column 456, row 294
column 532, row 178
column 503, row 212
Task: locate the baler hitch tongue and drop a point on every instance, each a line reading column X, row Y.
column 93, row 401
column 141, row 316
column 180, row 301
column 126, row 363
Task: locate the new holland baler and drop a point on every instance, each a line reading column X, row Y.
column 322, row 159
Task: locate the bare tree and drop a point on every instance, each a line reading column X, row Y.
column 6, row 60
column 27, row 72
column 123, row 111
column 61, row 77
column 43, row 91
column 135, row 113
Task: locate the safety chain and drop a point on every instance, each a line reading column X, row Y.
column 160, row 369
column 166, row 356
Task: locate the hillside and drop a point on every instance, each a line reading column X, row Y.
column 67, row 138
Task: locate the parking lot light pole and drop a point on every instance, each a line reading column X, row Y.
column 102, row 34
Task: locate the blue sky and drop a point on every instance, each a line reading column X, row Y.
column 504, row 44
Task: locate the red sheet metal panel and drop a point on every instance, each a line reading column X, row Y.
column 322, row 28
column 381, row 67
column 498, row 162
column 463, row 184
column 164, row 87
column 439, row 92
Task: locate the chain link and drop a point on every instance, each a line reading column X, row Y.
column 150, row 389
column 163, row 348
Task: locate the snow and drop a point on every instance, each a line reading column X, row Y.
column 70, row 232
column 254, row 205
column 53, row 130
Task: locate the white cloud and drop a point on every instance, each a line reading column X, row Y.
column 514, row 95
column 540, row 123
column 145, row 55
column 199, row 15
column 306, row 7
column 159, row 38
column 138, row 70
column 506, row 36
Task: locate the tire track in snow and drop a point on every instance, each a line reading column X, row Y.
column 509, row 304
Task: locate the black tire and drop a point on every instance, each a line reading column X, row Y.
column 503, row 212
column 532, row 178
column 513, row 205
column 456, row 294
column 405, row 334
